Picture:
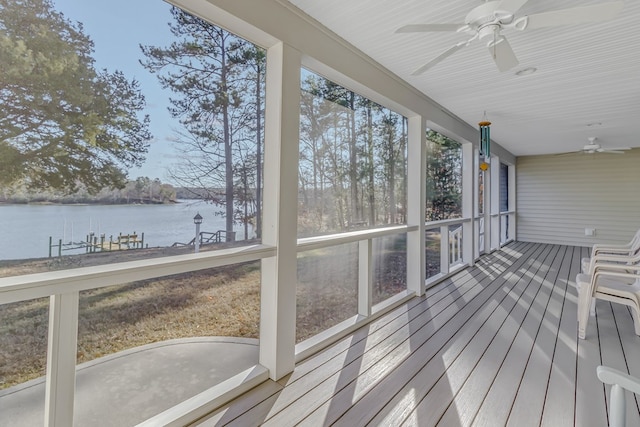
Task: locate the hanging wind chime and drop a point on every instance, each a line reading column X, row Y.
column 485, row 142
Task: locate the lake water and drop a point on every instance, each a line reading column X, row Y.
column 25, row 229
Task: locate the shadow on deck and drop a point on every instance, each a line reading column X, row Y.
column 494, row 345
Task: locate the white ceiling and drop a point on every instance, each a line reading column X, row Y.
column 587, row 81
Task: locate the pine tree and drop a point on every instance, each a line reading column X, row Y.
column 63, row 121
column 206, row 68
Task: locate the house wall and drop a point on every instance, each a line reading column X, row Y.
column 559, row 196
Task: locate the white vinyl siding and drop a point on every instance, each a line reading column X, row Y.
column 559, row 196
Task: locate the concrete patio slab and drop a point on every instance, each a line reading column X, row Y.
column 128, row 387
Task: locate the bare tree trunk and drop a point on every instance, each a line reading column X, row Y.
column 403, row 165
column 228, row 154
column 316, row 159
column 353, row 165
column 393, row 210
column 371, row 195
column 245, row 219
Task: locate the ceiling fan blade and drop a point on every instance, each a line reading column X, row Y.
column 576, row 15
column 610, row 151
column 615, row 149
column 425, row 28
column 511, row 5
column 444, row 55
column 502, row 54
column 570, row 153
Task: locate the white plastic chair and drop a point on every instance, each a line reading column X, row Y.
column 628, row 249
column 611, row 282
column 603, row 260
column 619, row 382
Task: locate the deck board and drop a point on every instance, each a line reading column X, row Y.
column 590, row 393
column 529, row 401
column 499, row 400
column 558, row 410
column 408, row 384
column 360, row 362
column 510, row 335
column 490, row 345
column 495, row 344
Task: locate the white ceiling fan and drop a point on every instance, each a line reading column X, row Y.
column 593, row 147
column 487, row 21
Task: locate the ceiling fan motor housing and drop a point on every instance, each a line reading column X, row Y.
column 487, row 19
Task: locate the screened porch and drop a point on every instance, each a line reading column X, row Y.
column 374, row 285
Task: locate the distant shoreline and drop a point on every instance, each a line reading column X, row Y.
column 90, row 203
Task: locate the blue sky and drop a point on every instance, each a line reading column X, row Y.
column 117, row 28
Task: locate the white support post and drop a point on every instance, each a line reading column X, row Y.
column 512, row 201
column 279, row 275
column 61, row 360
column 365, row 277
column 416, row 200
column 495, row 203
column 468, row 202
column 445, row 244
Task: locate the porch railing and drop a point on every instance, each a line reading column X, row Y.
column 450, row 246
column 507, row 227
column 63, row 288
column 479, row 229
column 455, row 246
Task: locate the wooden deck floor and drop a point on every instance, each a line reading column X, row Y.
column 494, row 345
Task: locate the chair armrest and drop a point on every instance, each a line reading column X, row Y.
column 611, row 248
column 615, row 271
column 610, row 258
column 619, row 382
column 617, row 266
column 613, row 376
column 613, row 257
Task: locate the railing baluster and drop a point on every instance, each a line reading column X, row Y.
column 444, row 249
column 365, row 277
column 455, row 246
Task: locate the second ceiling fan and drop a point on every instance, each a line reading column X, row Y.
column 594, row 147
column 487, row 21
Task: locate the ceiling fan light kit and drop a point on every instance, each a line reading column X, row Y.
column 526, row 71
column 490, row 18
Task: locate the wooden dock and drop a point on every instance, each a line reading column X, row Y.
column 93, row 243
